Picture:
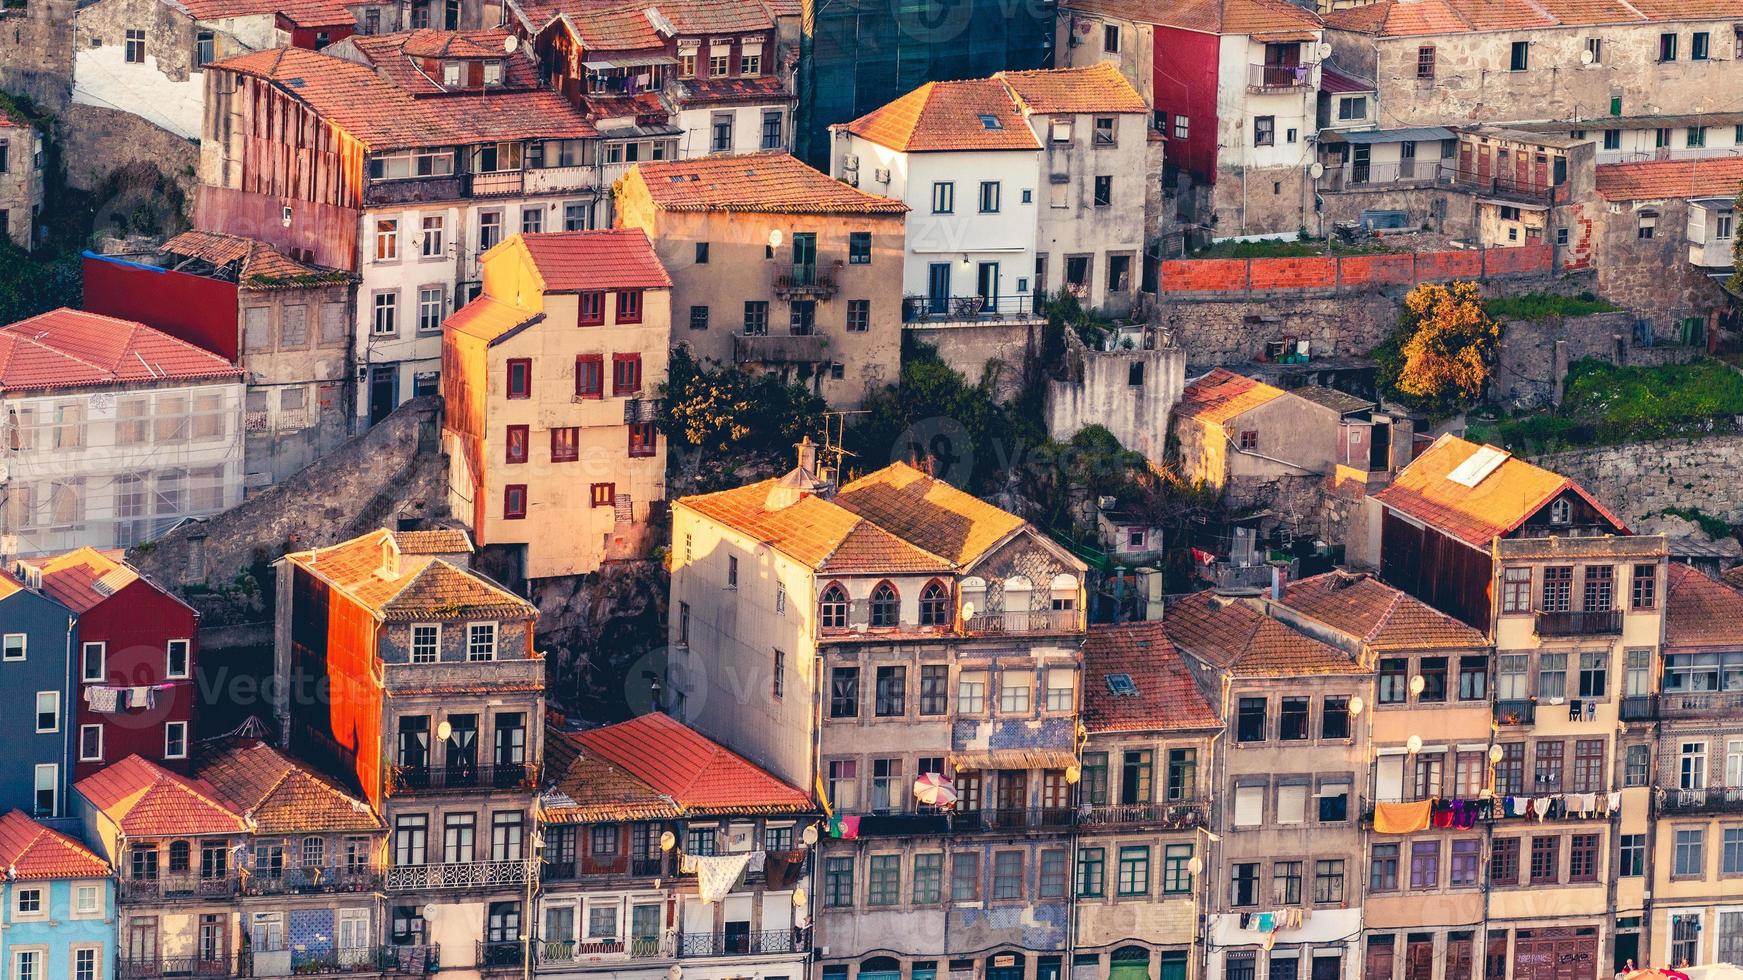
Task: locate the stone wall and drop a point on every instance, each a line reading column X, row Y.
column 1652, row 274
column 1131, row 392
column 997, row 350
column 1440, row 209
column 36, row 52
column 1641, row 479
column 1535, row 354
column 96, row 141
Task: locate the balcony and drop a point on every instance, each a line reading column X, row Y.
column 1412, row 172
column 177, row 887
column 585, row 950
column 1517, row 713
column 507, row 954
column 218, row 965
column 413, row 190
column 1044, row 621
column 966, row 310
column 398, row 961
column 1279, row 78
column 1712, row 799
column 1595, row 622
column 803, row 280
column 437, row 779
column 780, row 349
column 511, row 183
column 1129, row 816
column 1524, row 191
column 698, row 944
column 1012, row 819
column 453, row 877
column 514, row 673
column 310, row 881
column 572, row 870
column 1643, row 707
column 1700, row 704
column 541, row 180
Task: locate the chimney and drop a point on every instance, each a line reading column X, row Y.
column 1277, row 582
column 807, row 456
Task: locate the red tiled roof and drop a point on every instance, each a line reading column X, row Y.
column 146, row 800
column 423, row 587
column 977, row 114
column 617, row 28
column 258, row 264
column 1230, row 634
column 303, row 13
column 1222, row 395
column 1661, row 179
column 382, row 115
column 1335, row 82
column 715, row 17
column 618, row 258
column 1410, row 18
column 698, row 774
column 730, row 91
column 487, row 318
column 1208, row 16
column 1095, row 88
column 67, row 348
column 83, row 578
column 1700, row 611
column 393, row 56
column 1167, row 698
column 31, row 852
column 280, row 795
column 1499, row 503
column 774, row 183
column 1378, row 614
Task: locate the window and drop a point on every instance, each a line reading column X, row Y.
column 1383, row 868
column 838, row 882
column 1181, row 126
column 85, row 961
column 1547, row 771
column 1061, row 689
column 965, row 876
column 883, row 879
column 1466, row 856
column 604, row 494
column 205, row 48
column 47, row 798
column 1520, row 59
column 1353, row 109
column 892, row 689
column 1635, row 765
column 480, row 642
column 1425, row 62
column 532, row 219
column 1244, row 885
column 175, row 740
column 1292, row 719
column 1594, row 674
column 48, row 711
column 1516, row 590
column 1091, row 862
column 1545, row 860
column 1667, row 47
column 1612, row 139
column 134, row 47
column 1690, row 857
column 859, row 247
column 90, row 743
column 432, row 303
column 1473, row 678
column 1425, row 864
column 1643, row 587
column 971, row 692
column 626, row 374
column 565, row 444
column 1014, row 689
column 989, row 197
column 520, row 378
column 832, row 608
column 13, row 646
column 590, row 308
column 386, row 314
column 1328, row 882
column 629, row 306
column 1104, row 191
column 1696, row 136
column 426, row 643
column 1250, row 720
column 1286, row 882
column 858, row 315
column 886, row 606
column 1552, row 676
column 643, row 439
column 1394, row 685
column 778, row 675
column 1265, row 130
column 1007, row 876
column 1249, row 441
column 844, row 692
column 1110, row 38
column 515, row 445
column 1051, row 880
column 928, row 878
column 943, row 197
column 1504, row 861
column 590, row 376
column 756, row 317
column 1134, row 871
column 1582, row 857
column 1334, row 718
column 772, row 121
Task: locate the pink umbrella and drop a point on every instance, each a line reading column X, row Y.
column 934, row 789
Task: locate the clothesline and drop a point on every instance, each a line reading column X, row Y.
column 1458, row 814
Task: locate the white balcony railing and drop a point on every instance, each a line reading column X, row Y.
column 475, row 874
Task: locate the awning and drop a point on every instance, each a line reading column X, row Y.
column 1285, row 36
column 1500, row 203
column 1012, row 759
column 1415, row 134
column 634, row 61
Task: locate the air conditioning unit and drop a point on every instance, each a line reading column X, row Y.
column 881, row 175
column 850, row 162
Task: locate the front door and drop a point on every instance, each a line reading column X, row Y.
column 986, row 285
column 383, row 392
column 1407, row 159
column 1040, row 283
column 1359, row 163
column 938, row 287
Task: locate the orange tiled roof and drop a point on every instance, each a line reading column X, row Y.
column 617, row 258
column 1167, row 698
column 1231, row 634
column 487, row 318
column 82, row 578
column 1660, row 179
column 1411, row 18
column 584, row 787
column 1222, row 395
column 763, row 182
column 303, row 13
column 699, row 775
column 1208, row 16
column 280, row 795
column 1096, row 88
column 930, row 514
column 1700, row 611
column 31, row 852
column 1477, row 515
column 729, row 91
column 612, row 28
column 382, row 115
column 1376, row 613
column 257, row 264
column 815, row 532
column 424, row 587
column 434, row 541
column 146, row 800
column 68, row 348
column 714, row 17
column 977, row 114
column 397, row 57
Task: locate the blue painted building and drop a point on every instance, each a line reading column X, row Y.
column 57, row 904
column 37, row 635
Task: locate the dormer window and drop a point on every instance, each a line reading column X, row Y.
column 1561, row 512
column 492, row 73
column 990, row 121
column 451, row 74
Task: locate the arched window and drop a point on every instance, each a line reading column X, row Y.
column 886, row 606
column 180, row 853
column 1064, row 588
column 934, row 604
column 832, row 608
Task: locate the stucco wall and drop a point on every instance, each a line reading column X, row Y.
column 1652, row 274
column 164, row 89
column 1101, row 392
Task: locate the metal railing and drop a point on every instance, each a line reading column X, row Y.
column 580, row 950
column 1039, row 621
column 390, row 960
column 1710, row 799
column 1697, row 704
column 812, row 348
column 1365, row 174
column 501, row 954
column 1013, row 818
column 1169, row 816
column 216, row 965
column 1516, row 712
column 494, row 184
column 1530, row 190
column 474, row 874
column 571, row 870
column 300, row 881
column 1264, row 78
column 966, row 309
column 1639, row 707
column 803, row 279
column 413, row 779
column 174, row 886
column 1583, row 622
column 694, row 944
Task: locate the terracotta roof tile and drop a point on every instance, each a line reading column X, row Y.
column 812, row 530
column 696, row 773
column 714, row 17
column 487, row 318
column 1222, row 395
column 618, row 258
column 256, row 264
column 1499, row 503
column 1209, row 16
column 31, row 852
column 1701, row 612
column 978, row 114
column 930, row 514
column 435, row 541
column 1167, row 696
column 613, row 28
column 586, row 787
column 731, row 91
column 1230, row 634
column 83, row 578
column 280, row 795
column 764, row 182
column 424, row 587
column 303, row 13
column 1411, row 18
column 397, row 57
column 67, row 348
column 1378, row 614
column 1661, row 179
column 146, row 800
column 1096, row 88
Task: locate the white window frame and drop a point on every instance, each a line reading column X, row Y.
column 168, row 727
column 96, row 960
column 413, row 651
column 23, row 640
column 471, row 631
column 102, row 649
column 18, row 892
column 90, row 758
column 56, row 696
column 169, row 671
column 40, row 954
column 96, row 909
column 54, row 770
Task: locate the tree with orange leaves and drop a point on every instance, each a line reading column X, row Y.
column 1440, row 358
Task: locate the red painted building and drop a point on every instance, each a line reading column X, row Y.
column 133, row 672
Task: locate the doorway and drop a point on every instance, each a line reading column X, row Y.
column 938, row 288
column 986, row 285
column 383, row 391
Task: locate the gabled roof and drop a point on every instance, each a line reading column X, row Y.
column 421, row 588
column 1222, row 395
column 1505, row 495
column 488, row 318
column 1700, row 611
column 256, row 264
column 303, row 13
column 83, row 578
column 398, row 58
column 714, row 17
column 1231, row 634
column 609, row 27
column 1665, row 179
column 1093, row 88
column 146, row 800
column 1412, row 18
column 31, row 852
column 698, row 775
column 930, row 514
column 1164, row 696
column 1377, row 614
column 733, row 91
column 68, row 348
column 280, row 795
column 977, row 114
column 1336, row 82
column 775, row 183
column 1341, row 402
column 574, row 261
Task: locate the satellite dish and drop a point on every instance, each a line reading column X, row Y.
column 668, row 841
column 444, row 730
column 1586, row 57
column 1316, row 170
column 968, row 610
column 429, row 911
column 511, row 43
column 810, row 834
column 775, row 238
column 674, row 971
column 1324, row 50
column 1413, row 745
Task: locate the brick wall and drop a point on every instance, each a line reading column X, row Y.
column 1337, row 275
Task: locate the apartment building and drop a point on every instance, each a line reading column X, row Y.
column 1663, row 241
column 1143, row 806
column 57, row 904
column 114, row 432
column 546, row 459
column 436, row 714
column 286, row 324
column 36, row 647
column 663, row 851
column 776, row 267
column 868, row 640
column 21, row 180
column 431, row 147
